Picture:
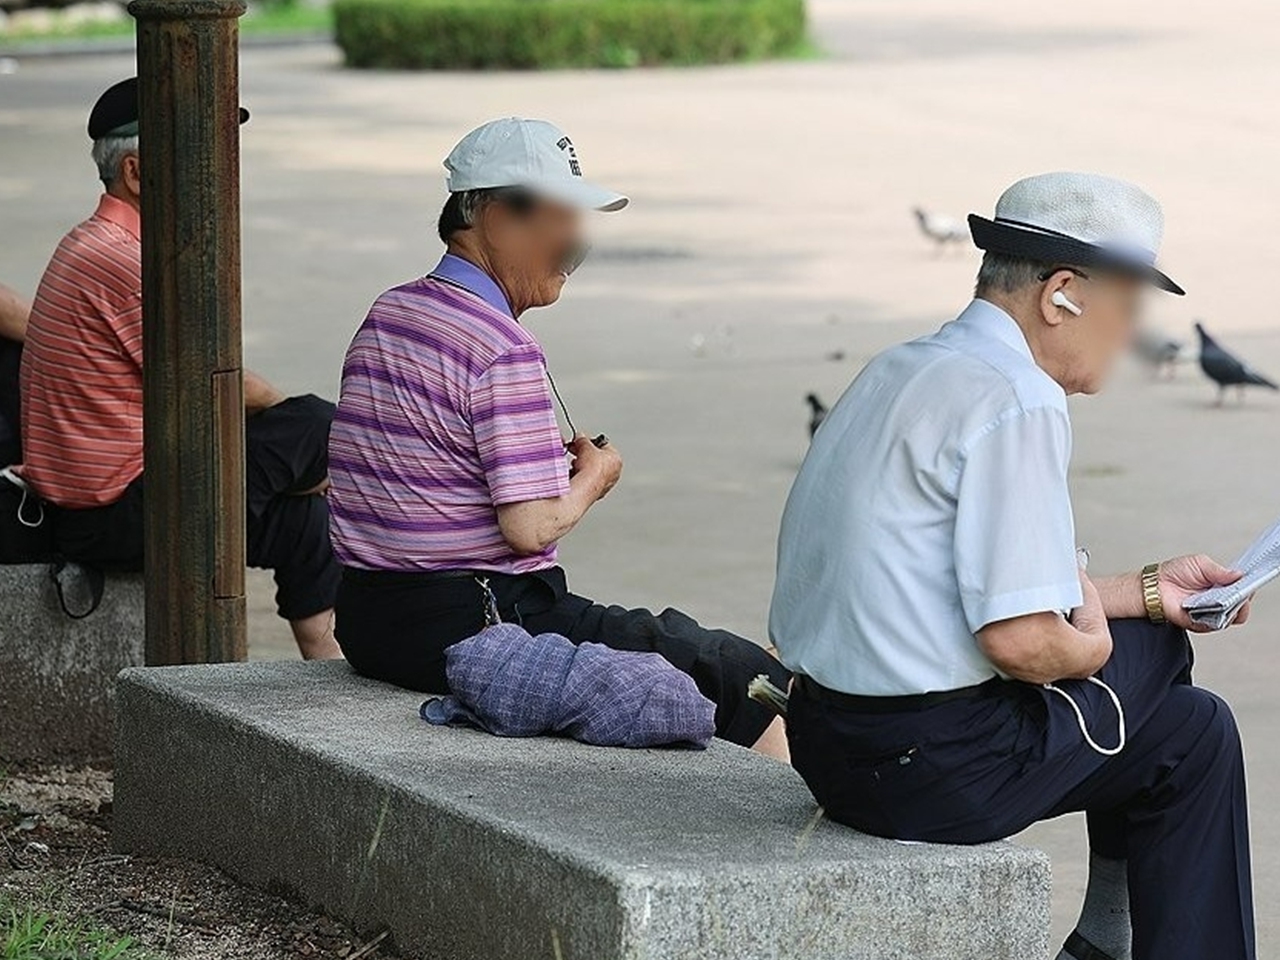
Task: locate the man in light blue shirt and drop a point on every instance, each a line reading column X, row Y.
column 958, row 676
column 898, row 497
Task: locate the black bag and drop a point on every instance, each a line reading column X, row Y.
column 10, row 403
column 26, row 536
column 26, row 531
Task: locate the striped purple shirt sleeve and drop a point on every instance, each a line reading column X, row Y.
column 516, row 434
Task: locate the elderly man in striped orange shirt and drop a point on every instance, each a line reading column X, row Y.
column 81, row 392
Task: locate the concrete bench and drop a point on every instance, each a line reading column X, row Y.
column 57, row 675
column 305, row 779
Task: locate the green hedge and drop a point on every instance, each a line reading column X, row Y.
column 524, row 34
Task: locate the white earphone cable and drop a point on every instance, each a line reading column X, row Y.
column 8, row 473
column 1084, row 728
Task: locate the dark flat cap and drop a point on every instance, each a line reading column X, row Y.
column 116, row 112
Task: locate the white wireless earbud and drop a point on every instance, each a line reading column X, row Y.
column 1059, row 299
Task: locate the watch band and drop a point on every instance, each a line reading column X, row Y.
column 1151, row 593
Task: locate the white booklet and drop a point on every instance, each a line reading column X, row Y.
column 1260, row 564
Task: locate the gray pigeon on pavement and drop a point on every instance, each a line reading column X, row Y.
column 817, row 413
column 939, row 228
column 1225, row 369
column 1158, row 350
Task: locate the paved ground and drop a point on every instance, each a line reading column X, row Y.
column 770, row 231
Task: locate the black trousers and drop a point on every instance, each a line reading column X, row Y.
column 1172, row 802
column 396, row 627
column 286, row 452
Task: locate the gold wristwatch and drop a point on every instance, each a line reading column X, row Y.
column 1151, row 593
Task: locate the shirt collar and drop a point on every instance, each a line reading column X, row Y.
column 986, row 319
column 123, row 215
column 463, row 273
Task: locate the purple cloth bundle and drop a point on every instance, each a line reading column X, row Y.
column 516, row 685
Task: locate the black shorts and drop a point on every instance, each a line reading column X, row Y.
column 395, row 627
column 286, row 453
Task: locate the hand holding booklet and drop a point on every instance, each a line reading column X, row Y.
column 1217, row 607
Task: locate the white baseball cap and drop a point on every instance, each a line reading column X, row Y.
column 514, row 152
column 1077, row 218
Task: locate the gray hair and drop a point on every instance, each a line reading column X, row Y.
column 109, row 153
column 1001, row 273
column 471, row 202
column 463, row 208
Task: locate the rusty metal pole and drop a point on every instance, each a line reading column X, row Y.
column 193, row 388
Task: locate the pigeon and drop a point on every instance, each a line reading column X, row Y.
column 1226, row 370
column 1158, row 351
column 818, row 414
column 941, row 229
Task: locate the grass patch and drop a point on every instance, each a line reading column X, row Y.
column 27, row 933
column 532, row 34
column 276, row 19
column 806, row 49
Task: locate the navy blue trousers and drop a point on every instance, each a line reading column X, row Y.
column 1172, row 803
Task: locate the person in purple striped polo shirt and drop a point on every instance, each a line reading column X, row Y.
column 451, row 482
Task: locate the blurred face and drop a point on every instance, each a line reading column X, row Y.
column 1087, row 346
column 533, row 248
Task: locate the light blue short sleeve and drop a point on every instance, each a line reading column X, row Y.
column 1015, row 535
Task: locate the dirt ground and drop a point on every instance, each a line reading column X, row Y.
column 55, row 828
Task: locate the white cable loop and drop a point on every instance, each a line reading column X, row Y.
column 9, row 474
column 1084, row 730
